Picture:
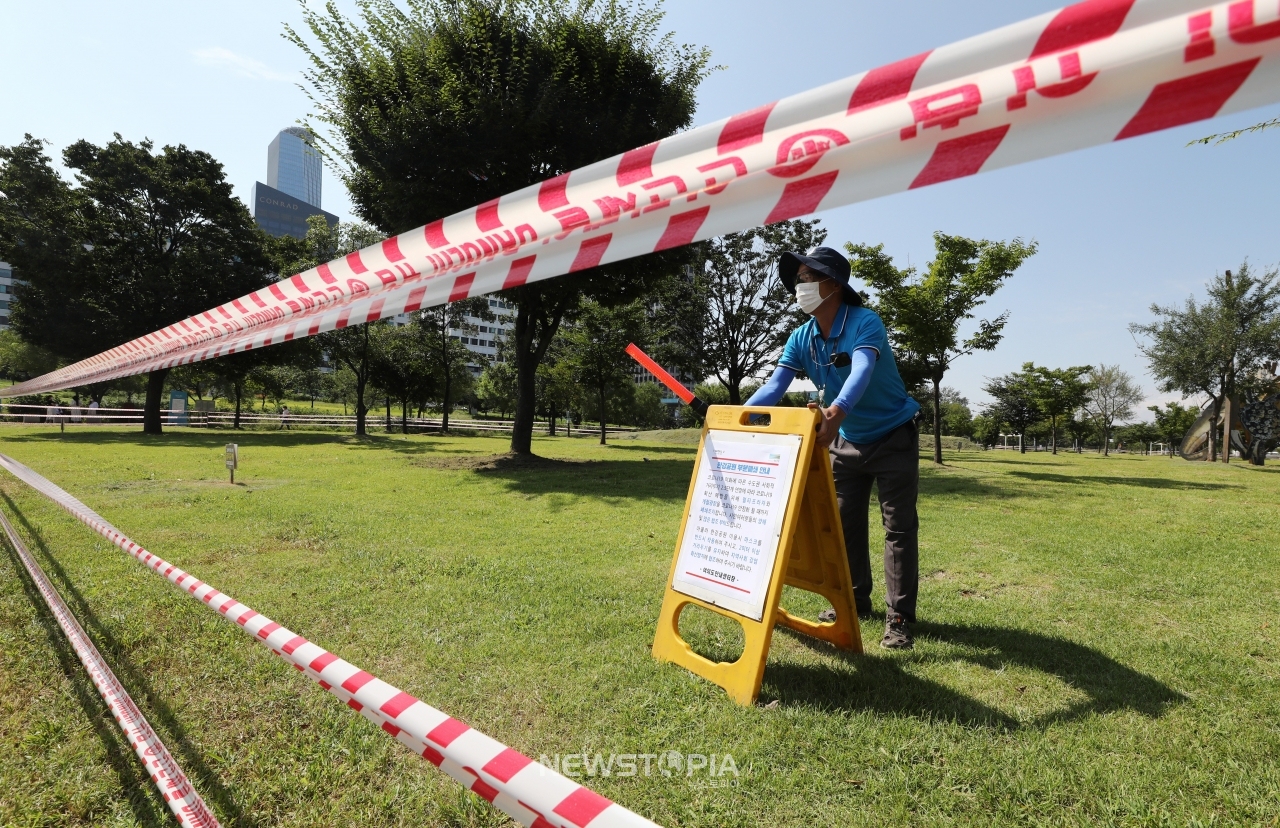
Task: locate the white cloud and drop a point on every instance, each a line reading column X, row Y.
column 245, row 67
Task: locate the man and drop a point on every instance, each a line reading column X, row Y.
column 284, row 417
column 868, row 422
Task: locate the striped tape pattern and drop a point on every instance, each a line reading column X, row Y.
column 183, row 800
column 1094, row 72
column 530, row 793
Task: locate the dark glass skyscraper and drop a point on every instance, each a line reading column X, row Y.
column 294, row 165
column 292, row 192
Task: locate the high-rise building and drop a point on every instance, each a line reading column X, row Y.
column 292, row 192
column 6, row 294
column 294, row 166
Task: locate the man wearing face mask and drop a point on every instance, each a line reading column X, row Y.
column 868, row 423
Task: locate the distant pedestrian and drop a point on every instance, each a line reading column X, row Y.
column 93, row 412
column 53, row 414
column 284, row 417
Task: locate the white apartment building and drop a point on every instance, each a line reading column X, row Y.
column 483, row 337
column 480, row 337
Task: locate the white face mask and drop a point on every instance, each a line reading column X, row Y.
column 808, row 296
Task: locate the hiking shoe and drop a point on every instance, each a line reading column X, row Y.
column 827, row 616
column 897, row 636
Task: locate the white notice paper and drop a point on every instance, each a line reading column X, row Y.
column 742, row 483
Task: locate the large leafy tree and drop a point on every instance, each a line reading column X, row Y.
column 142, row 240
column 1059, row 392
column 924, row 314
column 451, row 103
column 1216, row 346
column 749, row 312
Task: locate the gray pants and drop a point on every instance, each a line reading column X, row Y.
column 893, row 464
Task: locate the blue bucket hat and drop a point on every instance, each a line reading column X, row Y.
column 825, row 260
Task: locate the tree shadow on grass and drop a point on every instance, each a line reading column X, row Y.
column 201, row 439
column 883, row 685
column 1143, row 482
column 666, row 479
column 1001, row 460
column 933, row 484
column 158, row 712
column 655, row 449
column 130, row 773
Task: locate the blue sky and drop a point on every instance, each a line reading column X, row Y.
column 1119, row 226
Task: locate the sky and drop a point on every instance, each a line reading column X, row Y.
column 1118, row 226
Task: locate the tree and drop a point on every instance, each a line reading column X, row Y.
column 308, row 383
column 349, row 345
column 558, row 387
column 957, row 418
column 649, row 412
column 1112, row 396
column 677, row 317
column 454, row 103
column 749, row 312
column 232, row 374
column 20, row 360
column 197, row 379
column 498, row 385
column 1014, row 403
column 1207, row 348
column 353, row 347
column 1172, row 422
column 1079, row 427
column 1139, row 434
column 596, row 348
column 986, row 429
column 923, row 315
column 1058, row 391
column 449, row 353
column 144, row 240
column 402, row 365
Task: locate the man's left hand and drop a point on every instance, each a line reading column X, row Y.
column 829, row 427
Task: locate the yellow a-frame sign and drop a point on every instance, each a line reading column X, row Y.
column 761, row 513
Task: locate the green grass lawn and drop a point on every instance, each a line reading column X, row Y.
column 1098, row 638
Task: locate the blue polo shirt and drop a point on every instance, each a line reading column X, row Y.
column 885, row 404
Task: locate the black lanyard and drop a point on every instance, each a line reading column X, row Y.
column 838, row 360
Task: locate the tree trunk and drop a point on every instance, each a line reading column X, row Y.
column 387, row 400
column 361, row 409
column 151, row 422
column 602, row 417
column 238, row 387
column 1022, row 443
column 937, row 420
column 1106, row 442
column 1212, row 456
column 1227, row 414
column 551, row 420
column 404, row 416
column 1053, row 427
column 445, row 402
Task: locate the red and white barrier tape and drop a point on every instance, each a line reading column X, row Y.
column 530, row 793
column 1097, row 71
column 164, row 771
